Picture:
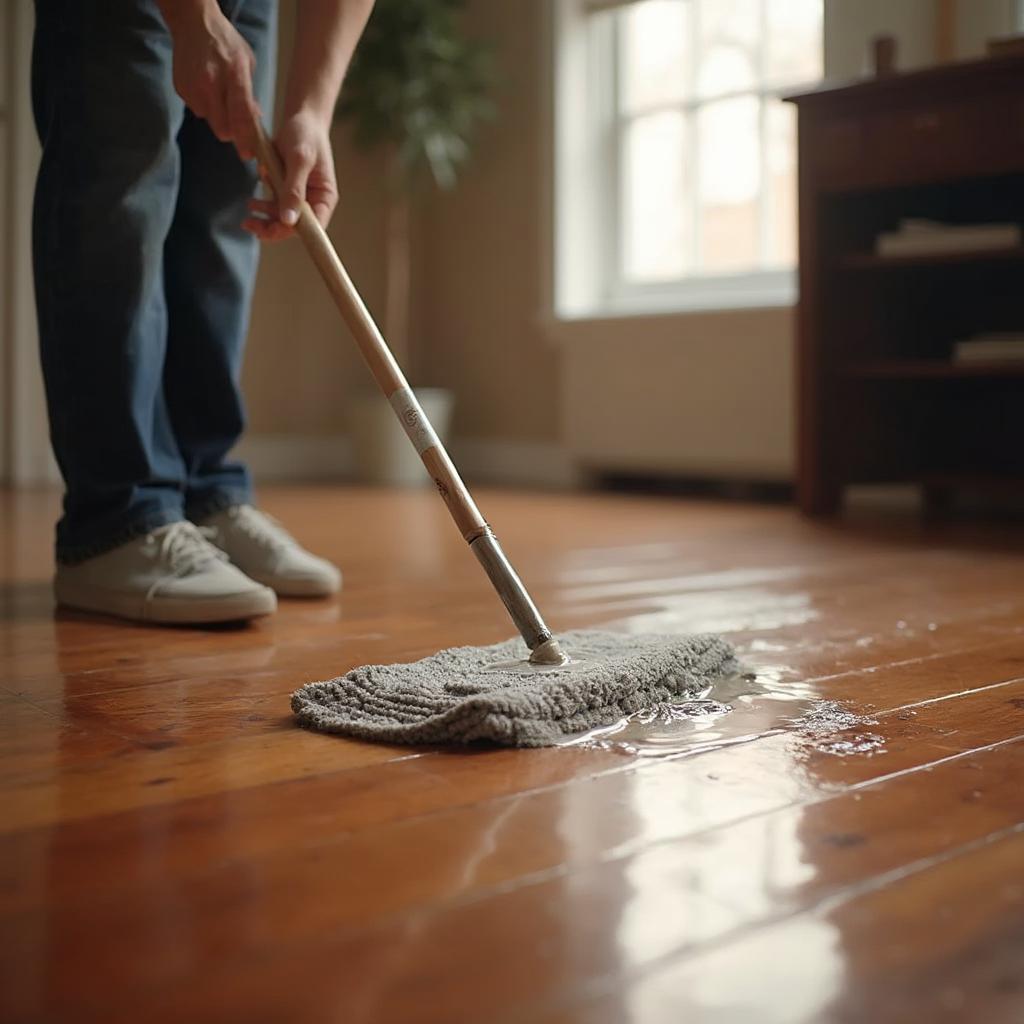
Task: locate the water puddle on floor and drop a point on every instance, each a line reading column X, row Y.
column 734, row 709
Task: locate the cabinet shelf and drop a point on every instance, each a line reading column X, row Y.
column 913, row 369
column 873, row 261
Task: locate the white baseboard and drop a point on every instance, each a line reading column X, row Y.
column 288, row 458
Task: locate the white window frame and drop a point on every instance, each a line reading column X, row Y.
column 587, row 196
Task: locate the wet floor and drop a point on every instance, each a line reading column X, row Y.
column 733, row 709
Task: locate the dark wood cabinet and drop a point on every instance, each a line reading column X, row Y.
column 880, row 397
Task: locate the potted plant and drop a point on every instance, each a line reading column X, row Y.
column 418, row 87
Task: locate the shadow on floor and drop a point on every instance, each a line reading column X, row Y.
column 34, row 602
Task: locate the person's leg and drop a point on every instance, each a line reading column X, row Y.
column 107, row 117
column 209, row 270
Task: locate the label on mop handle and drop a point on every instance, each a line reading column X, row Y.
column 420, row 432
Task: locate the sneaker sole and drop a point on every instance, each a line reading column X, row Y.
column 301, row 587
column 166, row 610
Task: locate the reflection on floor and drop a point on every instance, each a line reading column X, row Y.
column 169, row 840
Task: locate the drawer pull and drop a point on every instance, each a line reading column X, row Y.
column 927, row 122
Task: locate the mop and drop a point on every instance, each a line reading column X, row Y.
column 524, row 692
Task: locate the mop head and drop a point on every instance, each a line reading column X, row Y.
column 469, row 694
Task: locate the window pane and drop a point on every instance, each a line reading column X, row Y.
column 654, row 53
column 780, row 200
column 708, row 181
column 654, row 188
column 729, row 39
column 730, row 184
column 793, row 39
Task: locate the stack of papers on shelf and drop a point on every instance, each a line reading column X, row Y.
column 990, row 348
column 928, row 237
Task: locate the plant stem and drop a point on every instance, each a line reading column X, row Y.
column 399, row 259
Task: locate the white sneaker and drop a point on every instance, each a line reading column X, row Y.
column 265, row 551
column 172, row 575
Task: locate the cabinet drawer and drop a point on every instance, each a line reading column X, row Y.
column 933, row 141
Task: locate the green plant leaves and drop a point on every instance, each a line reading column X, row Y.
column 421, row 86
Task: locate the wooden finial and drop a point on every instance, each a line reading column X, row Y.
column 883, row 55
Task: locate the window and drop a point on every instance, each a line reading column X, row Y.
column 692, row 151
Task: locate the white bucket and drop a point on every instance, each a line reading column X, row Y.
column 384, row 454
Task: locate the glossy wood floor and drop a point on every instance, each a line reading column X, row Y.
column 173, row 849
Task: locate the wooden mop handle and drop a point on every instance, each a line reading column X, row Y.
column 374, row 348
column 544, row 648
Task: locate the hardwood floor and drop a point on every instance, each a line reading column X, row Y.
column 172, row 848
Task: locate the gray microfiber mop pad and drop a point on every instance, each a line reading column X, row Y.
column 451, row 698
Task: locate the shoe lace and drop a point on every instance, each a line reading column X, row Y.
column 185, row 548
column 262, row 528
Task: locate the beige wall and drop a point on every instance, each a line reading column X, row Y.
column 850, row 25
column 977, row 21
column 27, row 459
column 6, row 341
column 482, row 266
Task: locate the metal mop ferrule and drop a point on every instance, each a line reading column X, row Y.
column 544, row 649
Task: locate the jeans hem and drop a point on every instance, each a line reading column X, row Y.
column 217, row 502
column 72, row 554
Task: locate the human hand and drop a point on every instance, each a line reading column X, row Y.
column 304, row 144
column 213, row 69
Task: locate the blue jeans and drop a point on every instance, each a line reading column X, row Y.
column 143, row 274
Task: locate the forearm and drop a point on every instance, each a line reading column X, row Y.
column 326, row 35
column 178, row 13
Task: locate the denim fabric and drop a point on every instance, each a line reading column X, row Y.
column 143, row 274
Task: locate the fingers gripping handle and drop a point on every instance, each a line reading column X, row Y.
column 272, row 164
